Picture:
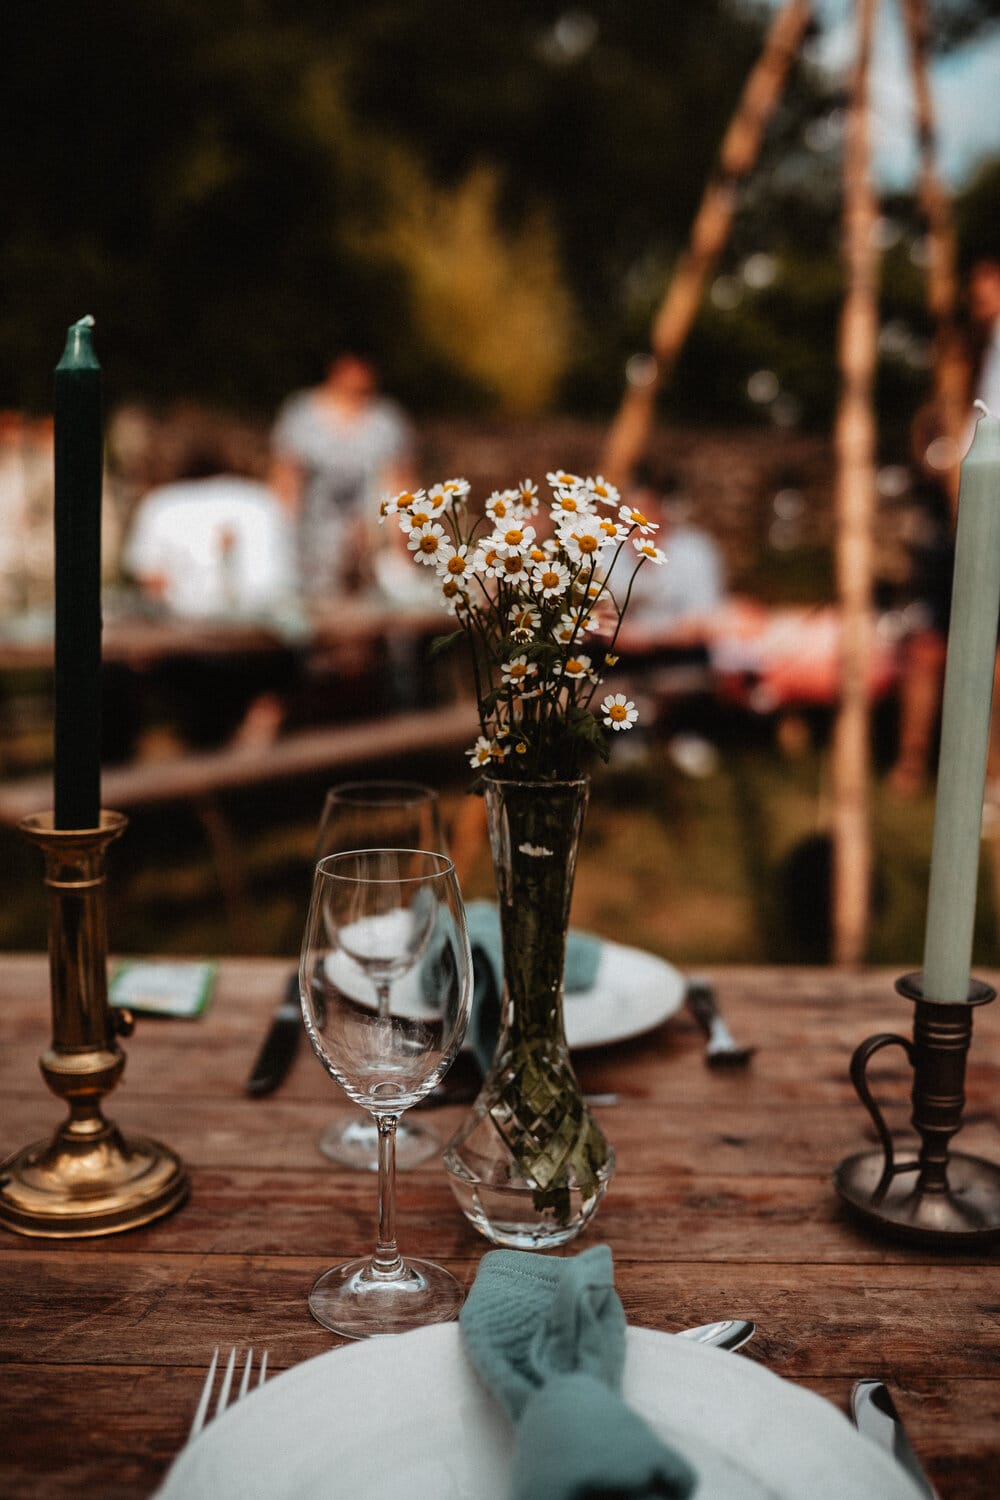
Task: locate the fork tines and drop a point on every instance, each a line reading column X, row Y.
column 222, row 1400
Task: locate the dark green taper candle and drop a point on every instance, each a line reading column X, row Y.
column 78, row 471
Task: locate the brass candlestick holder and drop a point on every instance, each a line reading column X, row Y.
column 936, row 1198
column 86, row 1180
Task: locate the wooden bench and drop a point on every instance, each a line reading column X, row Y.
column 199, row 778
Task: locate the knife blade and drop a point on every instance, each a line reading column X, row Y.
column 875, row 1415
column 280, row 1045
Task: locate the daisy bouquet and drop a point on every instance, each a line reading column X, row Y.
column 531, row 591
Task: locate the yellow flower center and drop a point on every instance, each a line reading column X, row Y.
column 638, row 519
column 449, row 588
column 456, row 565
column 574, row 666
column 514, row 537
column 513, row 565
column 569, row 503
column 419, row 518
column 550, row 580
column 500, row 508
column 587, row 543
column 618, row 712
column 602, row 490
column 429, row 543
column 518, row 669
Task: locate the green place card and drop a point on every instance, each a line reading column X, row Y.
column 180, row 988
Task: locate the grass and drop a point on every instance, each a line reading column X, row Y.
column 727, row 868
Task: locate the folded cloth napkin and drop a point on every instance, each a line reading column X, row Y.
column 583, row 953
column 548, row 1338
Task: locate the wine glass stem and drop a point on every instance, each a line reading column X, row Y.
column 382, row 999
column 387, row 1260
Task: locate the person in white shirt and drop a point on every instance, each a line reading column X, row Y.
column 213, row 546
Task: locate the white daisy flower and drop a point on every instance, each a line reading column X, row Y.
column 619, row 712
column 512, row 536
column 575, row 667
column 602, row 489
column 513, row 568
column 426, row 541
column 525, row 620
column 613, row 530
column 453, row 562
column 517, row 671
column 566, row 629
column 563, row 481
column 551, row 578
column 570, row 505
column 454, row 596
column 481, row 752
column 648, row 550
column 527, row 494
column 502, row 504
column 583, row 539
column 635, row 518
column 487, row 559
column 451, row 490
column 392, row 505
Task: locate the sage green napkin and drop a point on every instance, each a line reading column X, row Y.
column 583, row 953
column 548, row 1338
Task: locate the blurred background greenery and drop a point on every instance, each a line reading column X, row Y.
column 491, row 199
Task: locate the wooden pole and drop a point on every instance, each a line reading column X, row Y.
column 855, row 453
column 950, row 363
column 739, row 151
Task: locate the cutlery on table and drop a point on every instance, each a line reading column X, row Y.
column 728, row 1333
column 201, row 1415
column 875, row 1415
column 280, row 1045
column 720, row 1048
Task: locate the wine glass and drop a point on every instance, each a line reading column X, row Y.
column 378, row 815
column 386, row 984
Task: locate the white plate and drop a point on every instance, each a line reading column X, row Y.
column 408, row 1416
column 632, row 992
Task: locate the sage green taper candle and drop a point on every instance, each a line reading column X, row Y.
column 965, row 721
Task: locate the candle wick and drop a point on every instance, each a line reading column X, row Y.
column 981, row 406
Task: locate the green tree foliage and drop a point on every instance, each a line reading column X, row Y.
column 491, row 196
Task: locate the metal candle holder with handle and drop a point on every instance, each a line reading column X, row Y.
column 86, row 1180
column 938, row 1198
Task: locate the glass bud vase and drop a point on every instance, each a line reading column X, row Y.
column 529, row 1164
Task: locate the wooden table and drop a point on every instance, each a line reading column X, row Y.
column 722, row 1206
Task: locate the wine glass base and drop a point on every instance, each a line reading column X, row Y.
column 355, row 1301
column 355, row 1144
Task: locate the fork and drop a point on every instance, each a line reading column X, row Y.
column 222, row 1401
column 720, row 1049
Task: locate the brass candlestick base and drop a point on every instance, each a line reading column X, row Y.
column 86, row 1180
column 934, row 1198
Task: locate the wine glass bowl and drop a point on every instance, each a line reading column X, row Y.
column 374, row 815
column 386, row 984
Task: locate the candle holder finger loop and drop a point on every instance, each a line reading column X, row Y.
column 863, row 1054
column 934, row 1197
column 87, row 1179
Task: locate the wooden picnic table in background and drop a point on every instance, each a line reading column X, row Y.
column 722, row 1205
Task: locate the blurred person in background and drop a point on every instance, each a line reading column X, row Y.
column 673, row 608
column 336, row 449
column 219, row 546
column 673, row 616
column 212, row 544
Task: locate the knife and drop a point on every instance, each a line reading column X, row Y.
column 875, row 1415
column 280, row 1045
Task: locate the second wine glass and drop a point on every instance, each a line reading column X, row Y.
column 386, row 985
column 378, row 815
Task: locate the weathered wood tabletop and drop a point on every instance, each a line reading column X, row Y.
column 722, row 1205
